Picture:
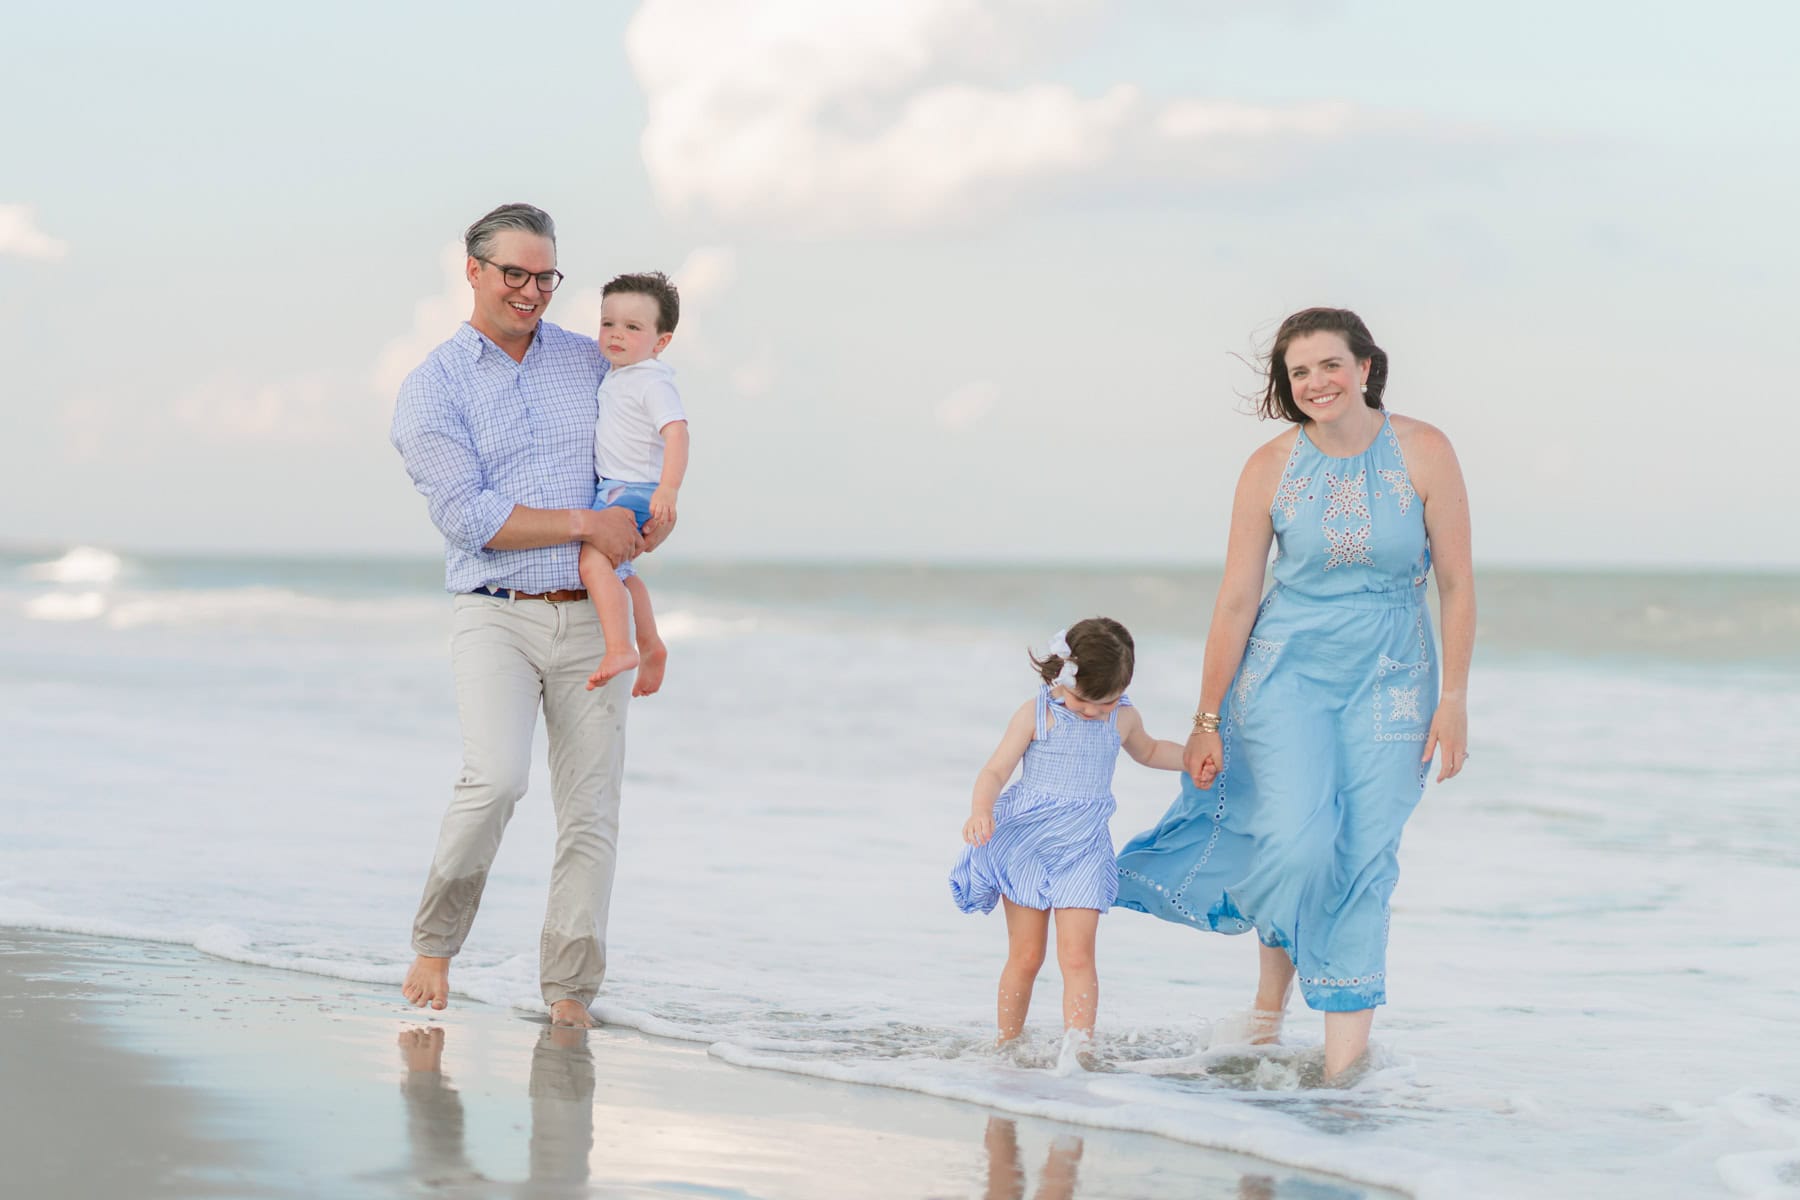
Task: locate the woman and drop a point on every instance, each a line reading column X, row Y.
column 1319, row 707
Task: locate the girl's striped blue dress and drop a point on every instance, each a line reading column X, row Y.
column 1051, row 847
column 1299, row 835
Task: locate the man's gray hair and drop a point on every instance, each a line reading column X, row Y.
column 478, row 239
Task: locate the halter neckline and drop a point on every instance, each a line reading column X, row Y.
column 1379, row 430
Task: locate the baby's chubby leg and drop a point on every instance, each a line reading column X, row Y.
column 654, row 655
column 613, row 605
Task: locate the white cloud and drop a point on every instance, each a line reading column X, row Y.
column 20, row 236
column 820, row 116
column 704, row 275
column 434, row 319
column 299, row 409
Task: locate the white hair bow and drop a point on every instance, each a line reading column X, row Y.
column 1059, row 646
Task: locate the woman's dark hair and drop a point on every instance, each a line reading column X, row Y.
column 1278, row 396
column 1104, row 657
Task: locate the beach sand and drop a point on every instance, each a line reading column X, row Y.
column 141, row 1069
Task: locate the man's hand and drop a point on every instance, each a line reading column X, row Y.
column 662, row 502
column 613, row 532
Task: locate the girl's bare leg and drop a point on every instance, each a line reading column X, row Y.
column 1026, row 931
column 1274, row 984
column 1075, row 930
column 614, row 606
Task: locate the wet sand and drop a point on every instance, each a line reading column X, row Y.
column 138, row 1069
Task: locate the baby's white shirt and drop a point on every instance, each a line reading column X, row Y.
column 635, row 403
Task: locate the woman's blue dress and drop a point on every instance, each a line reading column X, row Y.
column 1322, row 728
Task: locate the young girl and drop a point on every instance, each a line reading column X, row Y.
column 1043, row 845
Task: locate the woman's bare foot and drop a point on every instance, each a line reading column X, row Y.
column 615, row 663
column 1265, row 1026
column 427, row 982
column 655, row 657
column 571, row 1014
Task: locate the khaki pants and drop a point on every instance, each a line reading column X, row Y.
column 510, row 657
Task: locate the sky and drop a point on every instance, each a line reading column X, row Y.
column 963, row 280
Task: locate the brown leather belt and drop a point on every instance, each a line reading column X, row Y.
column 560, row 596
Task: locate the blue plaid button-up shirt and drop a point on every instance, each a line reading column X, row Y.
column 481, row 433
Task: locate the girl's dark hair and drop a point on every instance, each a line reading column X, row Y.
column 1278, row 396
column 1104, row 657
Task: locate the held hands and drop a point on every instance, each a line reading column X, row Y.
column 978, row 828
column 1449, row 733
column 1202, row 756
column 662, row 502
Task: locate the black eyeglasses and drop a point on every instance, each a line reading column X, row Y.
column 515, row 277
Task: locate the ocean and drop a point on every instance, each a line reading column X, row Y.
column 1595, row 953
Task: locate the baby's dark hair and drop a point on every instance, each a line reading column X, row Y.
column 655, row 285
column 1104, row 657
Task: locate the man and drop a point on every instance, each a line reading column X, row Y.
column 497, row 430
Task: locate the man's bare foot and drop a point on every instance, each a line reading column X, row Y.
column 422, row 1048
column 427, row 982
column 1265, row 1026
column 613, row 664
column 571, row 1014
column 655, row 657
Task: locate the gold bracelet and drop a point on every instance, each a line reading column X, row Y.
column 1206, row 722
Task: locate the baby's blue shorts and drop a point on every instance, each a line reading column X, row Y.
column 617, row 493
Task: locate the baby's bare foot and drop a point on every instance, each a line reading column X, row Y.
column 571, row 1014
column 427, row 982
column 654, row 657
column 615, row 663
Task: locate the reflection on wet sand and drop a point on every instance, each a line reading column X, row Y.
column 562, row 1108
column 434, row 1111
column 717, row 1153
column 1006, row 1176
column 1006, row 1179
column 562, row 1112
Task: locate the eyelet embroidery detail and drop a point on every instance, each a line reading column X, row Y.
column 1288, row 497
column 1347, row 495
column 1356, row 981
column 1403, row 701
column 1400, row 485
column 1258, row 654
column 1348, row 548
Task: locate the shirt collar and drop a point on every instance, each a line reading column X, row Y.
column 655, row 367
column 473, row 343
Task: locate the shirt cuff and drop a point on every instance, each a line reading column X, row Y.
column 491, row 512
